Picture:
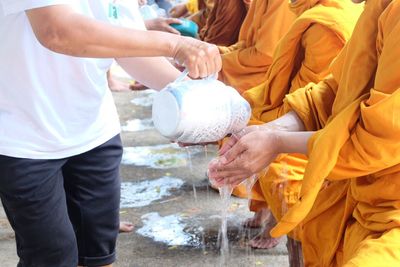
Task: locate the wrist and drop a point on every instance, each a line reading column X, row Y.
column 290, row 122
column 172, row 45
column 292, row 142
column 279, row 137
column 149, row 24
column 274, row 126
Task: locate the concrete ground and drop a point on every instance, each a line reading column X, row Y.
column 174, row 225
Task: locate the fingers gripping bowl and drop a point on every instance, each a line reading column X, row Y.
column 199, row 111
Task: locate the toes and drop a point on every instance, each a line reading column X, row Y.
column 263, row 242
column 125, row 227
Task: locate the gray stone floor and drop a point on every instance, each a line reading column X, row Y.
column 172, row 226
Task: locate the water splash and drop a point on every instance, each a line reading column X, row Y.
column 225, row 193
column 169, row 230
column 157, row 157
column 145, row 192
column 203, row 240
column 206, row 152
column 250, row 182
column 137, row 125
column 190, row 164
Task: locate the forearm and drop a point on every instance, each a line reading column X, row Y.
column 293, row 142
column 149, row 24
column 142, row 69
column 229, row 49
column 290, row 122
column 67, row 32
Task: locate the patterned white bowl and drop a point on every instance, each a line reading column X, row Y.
column 198, row 111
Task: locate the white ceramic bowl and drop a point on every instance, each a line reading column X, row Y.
column 198, row 111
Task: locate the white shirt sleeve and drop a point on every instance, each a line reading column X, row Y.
column 17, row 6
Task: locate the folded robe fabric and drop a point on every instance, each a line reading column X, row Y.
column 224, row 22
column 355, row 219
column 302, row 56
column 193, row 6
column 245, row 64
column 200, row 10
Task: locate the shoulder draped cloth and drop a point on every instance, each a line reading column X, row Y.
column 338, row 16
column 224, row 22
column 200, row 10
column 303, row 55
column 356, row 111
column 245, row 63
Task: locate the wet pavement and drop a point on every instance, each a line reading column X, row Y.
column 166, row 195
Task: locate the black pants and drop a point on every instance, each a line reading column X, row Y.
column 64, row 212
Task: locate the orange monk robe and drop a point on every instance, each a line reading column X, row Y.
column 193, row 6
column 302, row 56
column 200, row 10
column 355, row 219
column 245, row 64
column 224, row 22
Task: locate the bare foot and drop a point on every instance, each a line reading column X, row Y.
column 126, row 227
column 264, row 239
column 136, row 86
column 116, row 85
column 259, row 219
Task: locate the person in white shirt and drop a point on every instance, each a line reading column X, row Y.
column 59, row 131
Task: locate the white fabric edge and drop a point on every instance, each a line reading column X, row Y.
column 70, row 152
column 23, row 5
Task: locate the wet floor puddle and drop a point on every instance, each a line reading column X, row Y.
column 170, row 230
column 144, row 98
column 189, row 232
column 159, row 156
column 137, row 125
column 140, row 194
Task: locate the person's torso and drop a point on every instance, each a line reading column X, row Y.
column 53, row 105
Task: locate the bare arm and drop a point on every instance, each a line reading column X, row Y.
column 290, row 122
column 254, row 152
column 293, row 142
column 62, row 30
column 142, row 69
column 257, row 147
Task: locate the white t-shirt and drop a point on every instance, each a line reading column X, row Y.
column 52, row 105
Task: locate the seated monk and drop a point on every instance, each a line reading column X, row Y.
column 224, row 22
column 245, row 63
column 302, row 56
column 348, row 210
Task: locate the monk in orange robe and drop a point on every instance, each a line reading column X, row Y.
column 245, row 63
column 302, row 56
column 348, row 211
column 224, row 22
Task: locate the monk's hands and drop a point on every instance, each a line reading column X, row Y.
column 200, row 58
column 229, row 143
column 244, row 156
column 163, row 25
